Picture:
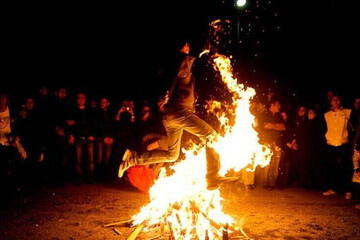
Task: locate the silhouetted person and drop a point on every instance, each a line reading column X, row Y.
column 274, row 127
column 105, row 123
column 61, row 132
column 82, row 128
column 338, row 149
column 316, row 142
column 9, row 144
column 300, row 134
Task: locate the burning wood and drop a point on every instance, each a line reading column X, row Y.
column 243, row 233
column 225, row 232
column 117, row 231
column 126, row 222
column 136, row 232
column 157, row 236
column 166, row 228
column 171, row 237
column 206, row 235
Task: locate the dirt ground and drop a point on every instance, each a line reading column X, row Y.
column 79, row 212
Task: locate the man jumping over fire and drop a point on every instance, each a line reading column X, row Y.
column 179, row 115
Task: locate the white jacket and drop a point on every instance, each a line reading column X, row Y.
column 337, row 127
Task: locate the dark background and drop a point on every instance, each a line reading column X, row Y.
column 304, row 48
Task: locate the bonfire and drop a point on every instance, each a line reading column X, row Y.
column 180, row 204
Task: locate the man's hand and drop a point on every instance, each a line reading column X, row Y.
column 108, row 140
column 71, row 139
column 275, row 126
column 122, row 109
column 60, row 131
column 293, row 145
column 152, row 146
column 163, row 101
column 70, row 122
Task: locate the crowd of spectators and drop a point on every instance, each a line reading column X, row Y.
column 52, row 137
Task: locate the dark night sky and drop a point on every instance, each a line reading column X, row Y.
column 73, row 44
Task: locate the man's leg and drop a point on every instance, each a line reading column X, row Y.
column 174, row 132
column 206, row 133
column 90, row 151
column 79, row 144
column 100, row 148
column 331, row 170
column 108, row 147
column 274, row 166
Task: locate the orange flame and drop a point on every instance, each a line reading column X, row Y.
column 241, row 140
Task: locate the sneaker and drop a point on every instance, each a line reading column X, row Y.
column 357, row 206
column 128, row 161
column 348, row 195
column 216, row 182
column 329, row 192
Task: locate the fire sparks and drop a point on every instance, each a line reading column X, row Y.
column 181, row 200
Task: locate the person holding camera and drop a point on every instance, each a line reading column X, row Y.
column 127, row 108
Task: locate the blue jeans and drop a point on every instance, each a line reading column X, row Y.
column 175, row 123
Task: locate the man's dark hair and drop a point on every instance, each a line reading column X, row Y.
column 336, row 94
column 273, row 101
